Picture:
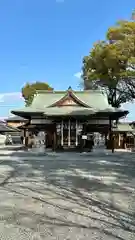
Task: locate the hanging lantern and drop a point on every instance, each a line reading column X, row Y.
column 79, row 128
column 58, row 128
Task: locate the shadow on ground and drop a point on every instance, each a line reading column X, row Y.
column 90, row 192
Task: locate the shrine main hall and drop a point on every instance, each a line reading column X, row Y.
column 69, row 116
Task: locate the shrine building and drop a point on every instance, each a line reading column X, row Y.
column 68, row 116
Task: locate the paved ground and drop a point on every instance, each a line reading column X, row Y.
column 67, row 196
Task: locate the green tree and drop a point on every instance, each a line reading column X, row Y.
column 110, row 64
column 29, row 90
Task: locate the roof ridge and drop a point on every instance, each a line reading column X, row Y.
column 44, row 91
column 87, row 91
column 74, row 91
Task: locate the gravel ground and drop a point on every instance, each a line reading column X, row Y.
column 67, row 196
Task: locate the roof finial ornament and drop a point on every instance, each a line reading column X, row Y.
column 69, row 88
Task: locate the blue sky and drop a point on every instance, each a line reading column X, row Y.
column 45, row 40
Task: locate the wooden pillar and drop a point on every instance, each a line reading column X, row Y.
column 106, row 142
column 111, row 135
column 26, row 138
column 54, row 141
column 76, row 137
column 62, row 133
column 124, row 140
column 69, row 133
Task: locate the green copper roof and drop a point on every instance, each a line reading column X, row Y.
column 91, row 101
column 123, row 127
column 93, row 98
column 29, row 109
column 15, row 119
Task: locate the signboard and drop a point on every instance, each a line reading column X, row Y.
column 84, row 137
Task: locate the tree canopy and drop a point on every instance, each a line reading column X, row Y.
column 29, row 90
column 110, row 64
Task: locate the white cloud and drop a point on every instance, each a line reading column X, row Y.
column 78, row 74
column 10, row 101
column 10, row 97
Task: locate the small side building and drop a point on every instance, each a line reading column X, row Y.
column 124, row 135
column 16, row 121
column 5, row 132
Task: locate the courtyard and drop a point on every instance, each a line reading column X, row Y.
column 68, row 196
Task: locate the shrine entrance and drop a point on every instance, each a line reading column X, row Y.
column 70, row 138
column 68, row 133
